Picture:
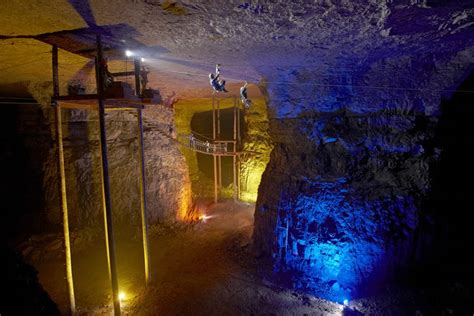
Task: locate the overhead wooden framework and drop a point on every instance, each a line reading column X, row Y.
column 115, row 40
column 120, row 98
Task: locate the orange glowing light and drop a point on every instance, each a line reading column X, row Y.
column 204, row 217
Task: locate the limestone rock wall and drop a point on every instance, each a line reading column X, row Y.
column 258, row 143
column 167, row 179
column 341, row 206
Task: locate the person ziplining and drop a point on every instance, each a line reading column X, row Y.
column 216, row 84
column 244, row 97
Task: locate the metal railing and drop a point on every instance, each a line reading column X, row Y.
column 206, row 146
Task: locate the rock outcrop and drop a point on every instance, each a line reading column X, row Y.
column 167, row 179
column 342, row 203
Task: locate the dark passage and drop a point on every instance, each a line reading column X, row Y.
column 453, row 195
column 24, row 144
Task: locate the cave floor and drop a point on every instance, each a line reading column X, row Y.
column 207, row 268
column 201, row 269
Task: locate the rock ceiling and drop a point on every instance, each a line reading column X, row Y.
column 250, row 39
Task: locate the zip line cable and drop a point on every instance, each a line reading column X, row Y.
column 280, row 82
column 287, row 83
column 336, row 85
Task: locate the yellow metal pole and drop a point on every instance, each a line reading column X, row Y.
column 238, row 157
column 214, row 156
column 219, row 172
column 143, row 208
column 238, row 124
column 137, row 64
column 218, row 119
column 62, row 178
column 213, row 119
column 215, row 178
column 106, row 201
column 219, row 161
column 67, row 239
column 234, row 165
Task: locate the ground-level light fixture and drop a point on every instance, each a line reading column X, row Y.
column 205, row 217
column 121, row 296
column 128, row 53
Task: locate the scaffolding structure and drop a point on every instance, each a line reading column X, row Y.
column 93, row 43
column 102, row 101
column 234, row 143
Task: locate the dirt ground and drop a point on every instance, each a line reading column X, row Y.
column 201, row 269
column 208, row 268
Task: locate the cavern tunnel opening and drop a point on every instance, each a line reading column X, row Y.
column 201, row 123
column 349, row 192
column 453, row 185
column 24, row 147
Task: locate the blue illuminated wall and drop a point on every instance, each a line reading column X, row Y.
column 341, row 207
column 336, row 241
column 342, row 197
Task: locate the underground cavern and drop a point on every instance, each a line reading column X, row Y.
column 166, row 157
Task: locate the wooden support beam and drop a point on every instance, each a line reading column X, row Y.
column 77, row 97
column 238, row 139
column 234, row 158
column 219, row 172
column 238, row 125
column 238, row 178
column 218, row 119
column 143, row 209
column 125, row 74
column 214, row 156
column 137, row 64
column 62, row 183
column 219, row 162
column 106, row 200
column 109, row 105
column 215, row 178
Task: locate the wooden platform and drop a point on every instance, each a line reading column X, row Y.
column 119, row 96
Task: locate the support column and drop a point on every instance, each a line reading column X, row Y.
column 137, row 64
column 219, row 161
column 234, row 165
column 219, row 172
column 214, row 156
column 238, row 157
column 238, row 177
column 106, row 201
column 143, row 208
column 218, row 119
column 62, row 182
column 215, row 178
column 238, row 124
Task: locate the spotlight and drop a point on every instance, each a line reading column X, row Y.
column 345, row 302
column 142, row 60
column 128, row 53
